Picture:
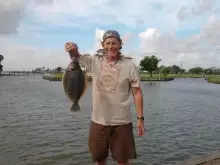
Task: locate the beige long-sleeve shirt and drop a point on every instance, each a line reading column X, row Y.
column 111, row 88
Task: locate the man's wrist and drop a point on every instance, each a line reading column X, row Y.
column 74, row 53
column 140, row 118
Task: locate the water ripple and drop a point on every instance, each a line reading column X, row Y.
column 37, row 127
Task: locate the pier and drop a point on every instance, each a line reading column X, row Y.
column 211, row 159
column 18, row 73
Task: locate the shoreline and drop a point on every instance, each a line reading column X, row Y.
column 58, row 77
column 215, row 79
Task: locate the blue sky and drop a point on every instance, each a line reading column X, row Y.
column 169, row 29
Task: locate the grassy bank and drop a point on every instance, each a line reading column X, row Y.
column 53, row 77
column 146, row 77
column 170, row 76
column 214, row 79
column 185, row 75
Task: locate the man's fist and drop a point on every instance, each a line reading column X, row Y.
column 71, row 47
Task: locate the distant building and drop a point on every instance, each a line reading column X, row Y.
column 215, row 70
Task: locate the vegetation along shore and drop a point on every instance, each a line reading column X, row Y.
column 150, row 71
column 146, row 77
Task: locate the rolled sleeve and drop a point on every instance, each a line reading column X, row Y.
column 134, row 76
column 86, row 61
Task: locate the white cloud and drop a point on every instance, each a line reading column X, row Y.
column 160, row 15
column 103, row 12
column 200, row 7
column 202, row 49
column 98, row 39
column 22, row 57
column 100, row 12
column 11, row 13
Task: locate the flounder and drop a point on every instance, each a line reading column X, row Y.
column 74, row 84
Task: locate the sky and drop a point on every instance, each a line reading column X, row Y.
column 33, row 32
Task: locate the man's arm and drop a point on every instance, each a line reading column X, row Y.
column 86, row 61
column 138, row 100
column 135, row 84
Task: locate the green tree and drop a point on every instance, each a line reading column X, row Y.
column 149, row 63
column 182, row 70
column 166, row 71
column 161, row 68
column 58, row 69
column 196, row 70
column 175, row 69
column 208, row 71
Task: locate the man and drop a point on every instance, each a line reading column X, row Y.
column 114, row 77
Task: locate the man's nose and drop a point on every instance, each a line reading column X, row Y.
column 110, row 45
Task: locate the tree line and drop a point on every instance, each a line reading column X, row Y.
column 150, row 64
column 48, row 70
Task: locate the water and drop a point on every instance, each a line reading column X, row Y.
column 37, row 128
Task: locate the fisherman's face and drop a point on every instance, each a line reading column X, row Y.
column 112, row 46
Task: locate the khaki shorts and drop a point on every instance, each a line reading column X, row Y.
column 118, row 139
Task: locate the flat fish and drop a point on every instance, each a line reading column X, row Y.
column 74, row 84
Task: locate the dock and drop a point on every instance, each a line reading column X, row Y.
column 18, row 73
column 212, row 159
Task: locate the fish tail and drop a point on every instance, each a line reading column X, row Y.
column 75, row 107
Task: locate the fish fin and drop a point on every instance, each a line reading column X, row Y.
column 75, row 107
column 85, row 86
